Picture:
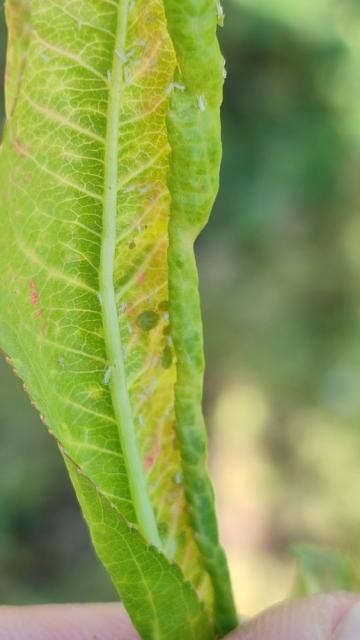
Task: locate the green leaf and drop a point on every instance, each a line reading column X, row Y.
column 321, row 570
column 162, row 604
column 109, row 168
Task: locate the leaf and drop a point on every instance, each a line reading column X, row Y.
column 320, row 570
column 162, row 604
column 109, row 168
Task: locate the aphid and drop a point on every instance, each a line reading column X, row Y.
column 178, row 478
column 144, row 189
column 202, row 103
column 149, row 390
column 167, row 357
column 129, row 54
column 127, row 75
column 107, row 375
column 120, row 55
column 147, row 320
column 220, row 13
column 44, row 57
column 174, row 85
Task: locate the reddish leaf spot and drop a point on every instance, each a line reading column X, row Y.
column 151, row 458
column 34, row 294
column 19, row 148
column 141, row 278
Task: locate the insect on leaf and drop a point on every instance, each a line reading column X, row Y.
column 109, row 168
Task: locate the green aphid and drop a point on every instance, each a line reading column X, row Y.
column 147, row 320
column 167, row 357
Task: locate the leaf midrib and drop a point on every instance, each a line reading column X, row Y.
column 113, row 343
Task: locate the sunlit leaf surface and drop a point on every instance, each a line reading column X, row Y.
column 109, row 168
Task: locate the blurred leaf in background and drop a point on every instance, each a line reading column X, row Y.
column 280, row 272
column 280, row 282
column 321, row 570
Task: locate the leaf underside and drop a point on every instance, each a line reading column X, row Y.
column 109, row 168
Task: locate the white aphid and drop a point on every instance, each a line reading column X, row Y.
column 174, row 85
column 144, row 189
column 121, row 55
column 127, row 75
column 130, row 54
column 107, row 375
column 178, row 479
column 220, row 13
column 149, row 390
column 202, row 103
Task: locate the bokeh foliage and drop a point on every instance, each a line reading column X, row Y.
column 280, row 268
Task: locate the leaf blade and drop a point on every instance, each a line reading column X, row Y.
column 195, row 135
column 162, row 604
column 60, row 156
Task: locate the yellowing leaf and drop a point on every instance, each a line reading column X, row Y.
column 109, row 168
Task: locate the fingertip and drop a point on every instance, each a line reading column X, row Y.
column 349, row 625
column 305, row 619
column 66, row 622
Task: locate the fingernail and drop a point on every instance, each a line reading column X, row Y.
column 349, row 627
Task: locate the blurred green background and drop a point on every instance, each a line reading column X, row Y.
column 280, row 272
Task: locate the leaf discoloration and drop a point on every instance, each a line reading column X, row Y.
column 100, row 231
